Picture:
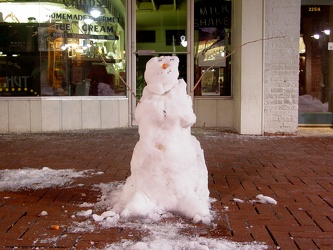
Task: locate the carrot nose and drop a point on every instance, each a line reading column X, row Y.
column 164, row 65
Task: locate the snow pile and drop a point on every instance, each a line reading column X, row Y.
column 29, row 178
column 160, row 235
column 168, row 171
column 307, row 103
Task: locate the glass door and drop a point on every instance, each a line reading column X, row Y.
column 161, row 30
column 316, row 64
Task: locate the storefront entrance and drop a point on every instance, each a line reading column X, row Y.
column 198, row 32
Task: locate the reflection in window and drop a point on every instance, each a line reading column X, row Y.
column 212, row 23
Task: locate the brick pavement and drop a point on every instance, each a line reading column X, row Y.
column 294, row 170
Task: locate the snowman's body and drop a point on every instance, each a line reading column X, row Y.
column 168, row 170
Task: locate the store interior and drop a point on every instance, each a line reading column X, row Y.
column 79, row 50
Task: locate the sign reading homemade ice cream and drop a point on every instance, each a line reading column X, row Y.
column 85, row 27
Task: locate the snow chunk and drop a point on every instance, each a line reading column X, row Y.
column 85, row 213
column 43, row 213
column 108, row 214
column 238, row 200
column 98, row 218
column 266, row 199
column 111, row 221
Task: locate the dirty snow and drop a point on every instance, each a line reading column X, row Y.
column 30, row 178
column 159, row 235
column 168, row 237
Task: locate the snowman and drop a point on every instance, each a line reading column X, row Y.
column 168, row 170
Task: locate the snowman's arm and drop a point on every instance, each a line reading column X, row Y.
column 149, row 109
column 188, row 118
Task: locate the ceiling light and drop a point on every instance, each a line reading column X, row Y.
column 327, row 32
column 316, row 36
column 96, row 12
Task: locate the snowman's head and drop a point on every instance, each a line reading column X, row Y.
column 162, row 74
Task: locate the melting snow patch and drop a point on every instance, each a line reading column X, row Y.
column 81, row 227
column 165, row 236
column 30, row 178
column 49, row 240
column 159, row 234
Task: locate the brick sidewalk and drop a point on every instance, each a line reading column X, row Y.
column 294, row 170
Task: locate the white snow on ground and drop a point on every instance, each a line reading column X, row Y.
column 167, row 236
column 161, row 236
column 30, row 178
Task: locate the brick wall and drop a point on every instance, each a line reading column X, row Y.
column 281, row 65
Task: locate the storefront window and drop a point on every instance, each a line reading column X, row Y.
column 62, row 48
column 212, row 24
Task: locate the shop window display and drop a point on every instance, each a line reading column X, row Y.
column 212, row 23
column 64, row 51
